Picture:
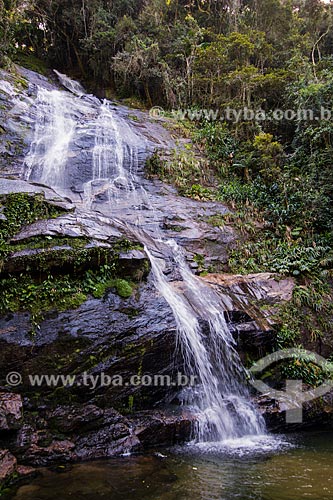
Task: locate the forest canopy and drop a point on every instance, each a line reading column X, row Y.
column 176, row 52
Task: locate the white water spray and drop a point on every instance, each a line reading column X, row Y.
column 115, row 145
column 54, row 129
column 73, row 86
column 221, row 399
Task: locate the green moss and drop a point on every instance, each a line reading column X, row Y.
column 125, row 245
column 49, row 242
column 53, row 278
column 74, row 301
column 21, row 209
column 20, row 81
column 124, row 289
column 101, row 289
column 200, row 260
column 130, row 404
column 134, row 118
column 175, row 228
column 62, row 396
column 217, row 220
column 131, row 312
column 142, row 355
column 31, row 62
column 25, row 292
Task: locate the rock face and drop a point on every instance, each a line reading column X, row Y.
column 107, row 338
column 8, row 464
column 252, row 291
column 86, row 416
column 253, row 308
column 11, row 414
column 112, row 335
column 86, row 432
column 8, row 186
column 10, row 471
column 315, row 414
column 19, row 111
column 162, row 211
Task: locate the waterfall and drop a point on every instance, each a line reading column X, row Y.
column 63, row 122
column 114, row 144
column 220, row 399
column 54, row 129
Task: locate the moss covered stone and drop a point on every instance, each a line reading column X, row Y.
column 45, row 273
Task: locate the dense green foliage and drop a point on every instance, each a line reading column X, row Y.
column 180, row 52
column 58, row 292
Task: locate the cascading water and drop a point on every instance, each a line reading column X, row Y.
column 73, row 86
column 66, row 123
column 220, row 399
column 54, row 129
column 114, row 144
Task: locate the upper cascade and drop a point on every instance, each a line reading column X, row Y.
column 82, row 145
column 71, row 85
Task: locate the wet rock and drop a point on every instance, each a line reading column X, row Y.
column 8, row 186
column 26, row 437
column 135, row 263
column 254, row 294
column 77, row 225
column 69, row 419
column 112, row 437
column 111, row 336
column 89, row 432
column 115, row 336
column 58, row 450
column 10, row 411
column 25, row 472
column 65, row 259
column 8, row 465
column 251, row 303
column 196, row 235
column 163, row 428
column 10, row 472
column 38, row 446
column 317, row 413
column 253, row 342
column 36, row 79
column 14, row 135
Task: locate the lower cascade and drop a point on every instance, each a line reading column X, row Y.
column 220, row 399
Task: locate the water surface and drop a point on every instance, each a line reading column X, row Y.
column 295, row 467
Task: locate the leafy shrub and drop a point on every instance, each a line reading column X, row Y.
column 307, row 370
